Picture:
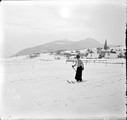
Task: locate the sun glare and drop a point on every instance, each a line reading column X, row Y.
column 65, row 12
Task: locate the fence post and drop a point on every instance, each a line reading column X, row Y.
column 122, row 64
column 106, row 63
column 86, row 62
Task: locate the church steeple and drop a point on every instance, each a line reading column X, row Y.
column 105, row 45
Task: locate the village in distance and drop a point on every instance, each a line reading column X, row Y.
column 104, row 51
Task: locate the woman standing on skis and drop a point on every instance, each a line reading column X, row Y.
column 80, row 66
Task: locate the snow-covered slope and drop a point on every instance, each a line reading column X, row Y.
column 39, row 89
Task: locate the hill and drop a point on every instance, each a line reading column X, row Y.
column 64, row 44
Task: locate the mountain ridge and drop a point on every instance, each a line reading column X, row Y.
column 63, row 44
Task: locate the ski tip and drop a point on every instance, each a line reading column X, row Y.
column 68, row 81
column 76, row 81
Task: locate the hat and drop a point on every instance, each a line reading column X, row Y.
column 77, row 56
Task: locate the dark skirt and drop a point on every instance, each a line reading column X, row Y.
column 78, row 75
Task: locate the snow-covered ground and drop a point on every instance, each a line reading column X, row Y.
column 33, row 88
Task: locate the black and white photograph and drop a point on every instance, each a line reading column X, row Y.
column 63, row 59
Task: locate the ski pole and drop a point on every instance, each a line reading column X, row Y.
column 73, row 68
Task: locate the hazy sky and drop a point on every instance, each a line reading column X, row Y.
column 27, row 24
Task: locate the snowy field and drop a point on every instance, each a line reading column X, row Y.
column 35, row 88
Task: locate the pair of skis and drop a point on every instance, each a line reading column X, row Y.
column 73, row 82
